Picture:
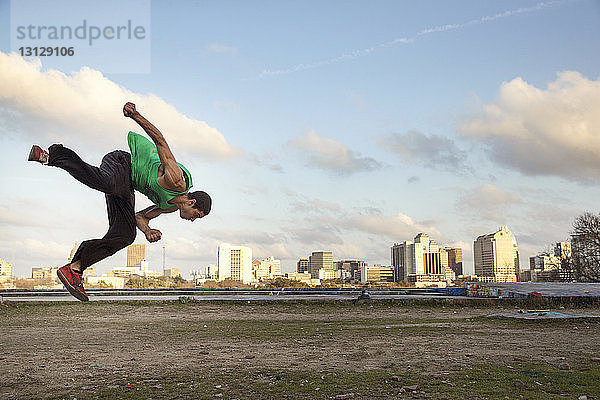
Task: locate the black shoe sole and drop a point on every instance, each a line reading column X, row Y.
column 76, row 293
column 32, row 154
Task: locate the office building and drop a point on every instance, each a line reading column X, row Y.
column 136, row 253
column 269, row 268
column 351, row 268
column 320, row 260
column 563, row 251
column 326, row 274
column 455, row 259
column 234, row 262
column 496, row 256
column 420, row 261
column 303, row 265
column 377, row 274
column 401, row 258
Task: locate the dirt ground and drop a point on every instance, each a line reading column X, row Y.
column 60, row 349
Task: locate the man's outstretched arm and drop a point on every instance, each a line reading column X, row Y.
column 142, row 220
column 173, row 174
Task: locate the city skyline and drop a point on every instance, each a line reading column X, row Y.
column 347, row 134
column 422, row 263
column 239, row 257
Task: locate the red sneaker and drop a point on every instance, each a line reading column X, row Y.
column 38, row 154
column 73, row 281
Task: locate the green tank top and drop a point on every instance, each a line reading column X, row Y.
column 144, row 170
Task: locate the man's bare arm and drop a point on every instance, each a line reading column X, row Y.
column 142, row 220
column 173, row 173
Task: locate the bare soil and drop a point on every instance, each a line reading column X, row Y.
column 57, row 350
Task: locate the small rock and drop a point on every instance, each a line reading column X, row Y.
column 344, row 396
column 595, row 359
column 519, row 384
column 582, row 398
column 219, row 395
column 249, row 357
column 564, row 366
column 395, row 378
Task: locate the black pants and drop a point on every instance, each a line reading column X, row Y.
column 113, row 178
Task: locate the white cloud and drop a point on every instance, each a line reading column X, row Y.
column 397, row 227
column 487, row 202
column 433, row 151
column 330, row 155
column 85, row 108
column 39, row 249
column 552, row 131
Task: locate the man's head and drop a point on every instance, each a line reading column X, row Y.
column 197, row 205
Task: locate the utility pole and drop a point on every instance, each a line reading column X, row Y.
column 164, row 250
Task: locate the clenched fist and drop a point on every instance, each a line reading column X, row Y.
column 153, row 235
column 129, row 109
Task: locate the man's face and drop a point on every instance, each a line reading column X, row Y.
column 190, row 213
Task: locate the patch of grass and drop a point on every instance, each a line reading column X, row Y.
column 487, row 381
column 531, row 381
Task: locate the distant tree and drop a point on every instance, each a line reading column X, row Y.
column 179, row 282
column 210, row 284
column 332, row 283
column 585, row 247
column 230, row 283
column 25, row 283
column 281, row 282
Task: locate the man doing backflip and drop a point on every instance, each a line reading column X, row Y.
column 151, row 169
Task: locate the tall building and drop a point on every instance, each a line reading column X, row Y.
column 135, row 253
column 496, row 256
column 303, row 265
column 563, row 251
column 234, row 262
column 420, row 261
column 455, row 261
column 402, row 258
column 320, row 260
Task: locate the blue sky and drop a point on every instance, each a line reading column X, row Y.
column 344, row 126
